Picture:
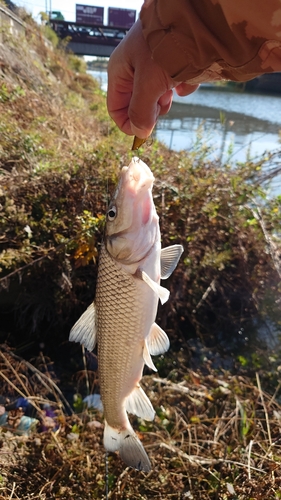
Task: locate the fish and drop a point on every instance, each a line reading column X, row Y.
column 121, row 320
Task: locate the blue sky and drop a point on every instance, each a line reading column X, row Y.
column 67, row 7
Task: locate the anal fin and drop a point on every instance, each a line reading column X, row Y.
column 157, row 341
column 139, row 404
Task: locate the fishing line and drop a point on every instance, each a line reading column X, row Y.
column 106, row 452
column 85, row 369
column 106, row 475
column 107, row 191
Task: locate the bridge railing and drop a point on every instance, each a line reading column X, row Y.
column 82, row 33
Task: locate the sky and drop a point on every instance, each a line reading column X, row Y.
column 67, row 7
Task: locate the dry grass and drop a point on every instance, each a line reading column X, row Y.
column 214, row 437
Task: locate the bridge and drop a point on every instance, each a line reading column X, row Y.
column 89, row 40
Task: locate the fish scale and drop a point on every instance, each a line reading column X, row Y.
column 124, row 323
column 122, row 318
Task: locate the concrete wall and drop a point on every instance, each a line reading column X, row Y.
column 15, row 25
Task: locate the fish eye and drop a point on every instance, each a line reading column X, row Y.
column 111, row 214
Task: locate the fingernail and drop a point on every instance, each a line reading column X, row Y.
column 141, row 133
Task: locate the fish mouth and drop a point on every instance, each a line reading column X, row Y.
column 137, row 176
column 131, row 234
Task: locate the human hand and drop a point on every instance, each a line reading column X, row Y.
column 139, row 90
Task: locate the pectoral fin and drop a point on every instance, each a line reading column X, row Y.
column 147, row 358
column 157, row 341
column 162, row 292
column 85, row 330
column 169, row 260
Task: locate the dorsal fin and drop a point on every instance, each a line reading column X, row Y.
column 169, row 260
column 85, row 330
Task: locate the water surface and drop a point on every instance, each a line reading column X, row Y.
column 232, row 123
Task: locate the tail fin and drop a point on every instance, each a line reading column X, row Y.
column 129, row 446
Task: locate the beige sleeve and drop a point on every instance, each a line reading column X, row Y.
column 207, row 40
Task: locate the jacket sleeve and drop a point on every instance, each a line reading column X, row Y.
column 207, row 40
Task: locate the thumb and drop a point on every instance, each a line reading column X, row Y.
column 183, row 89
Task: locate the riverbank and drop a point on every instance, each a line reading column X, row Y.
column 216, row 393
column 269, row 84
column 98, row 64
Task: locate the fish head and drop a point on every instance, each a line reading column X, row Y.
column 132, row 226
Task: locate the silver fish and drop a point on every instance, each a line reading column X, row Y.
column 122, row 318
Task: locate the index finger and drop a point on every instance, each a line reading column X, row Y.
column 118, row 100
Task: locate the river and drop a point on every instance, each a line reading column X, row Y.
column 235, row 125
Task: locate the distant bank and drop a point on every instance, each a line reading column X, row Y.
column 269, row 83
column 98, row 64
